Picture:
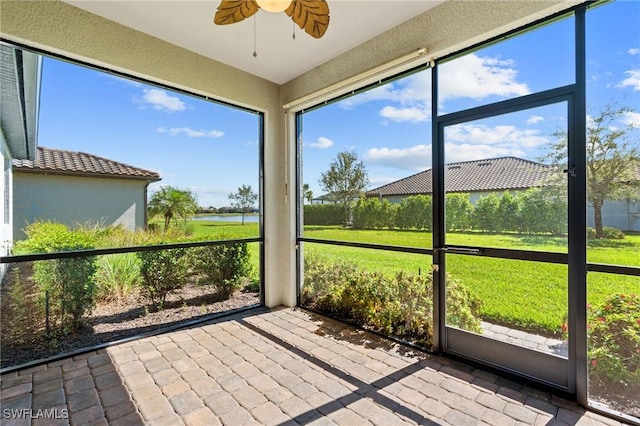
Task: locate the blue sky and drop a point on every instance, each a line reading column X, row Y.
column 187, row 140
column 389, row 127
column 213, row 149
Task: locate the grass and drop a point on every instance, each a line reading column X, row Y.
column 530, row 295
column 234, row 229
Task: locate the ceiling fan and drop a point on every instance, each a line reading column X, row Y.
column 311, row 15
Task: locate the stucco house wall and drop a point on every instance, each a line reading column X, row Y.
column 624, row 215
column 78, row 188
column 77, row 200
column 6, row 230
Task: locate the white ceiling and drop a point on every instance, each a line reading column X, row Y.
column 280, row 58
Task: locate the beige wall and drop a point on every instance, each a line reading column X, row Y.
column 61, row 28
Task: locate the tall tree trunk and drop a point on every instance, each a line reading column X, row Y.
column 597, row 217
column 243, row 216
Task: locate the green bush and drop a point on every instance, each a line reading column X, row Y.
column 614, row 342
column 163, row 272
column 323, row 214
column 459, row 211
column 401, row 305
column 70, row 282
column 610, row 233
column 415, row 212
column 224, row 265
column 485, row 214
column 118, row 275
column 372, row 213
column 542, row 212
column 509, row 208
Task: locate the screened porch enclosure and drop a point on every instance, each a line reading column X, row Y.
column 478, row 233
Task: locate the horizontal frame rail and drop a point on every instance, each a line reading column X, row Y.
column 386, row 247
column 117, row 250
column 544, row 257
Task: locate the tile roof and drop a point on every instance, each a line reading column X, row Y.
column 493, row 174
column 80, row 163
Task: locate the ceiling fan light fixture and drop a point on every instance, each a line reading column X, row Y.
column 274, row 6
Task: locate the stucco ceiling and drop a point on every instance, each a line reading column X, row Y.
column 280, row 58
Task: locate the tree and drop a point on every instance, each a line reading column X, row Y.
column 345, row 180
column 244, row 199
column 307, row 194
column 171, row 202
column 613, row 156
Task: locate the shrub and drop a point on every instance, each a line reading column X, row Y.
column 485, row 213
column 458, row 212
column 372, row 213
column 610, row 233
column 163, row 272
column 70, row 282
column 508, row 209
column 401, row 305
column 614, row 341
column 542, row 212
column 415, row 212
column 323, row 214
column 117, row 275
column 222, row 265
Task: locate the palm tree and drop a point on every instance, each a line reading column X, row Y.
column 307, row 194
column 171, row 203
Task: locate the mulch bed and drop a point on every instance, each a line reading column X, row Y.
column 22, row 333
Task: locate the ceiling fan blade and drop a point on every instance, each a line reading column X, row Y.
column 232, row 11
column 311, row 15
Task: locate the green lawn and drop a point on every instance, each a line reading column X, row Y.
column 529, row 294
column 232, row 229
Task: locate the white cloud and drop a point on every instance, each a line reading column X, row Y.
column 411, row 97
column 191, row 133
column 632, row 81
column 455, row 153
column 413, row 114
column 161, row 100
column 535, row 119
column 632, row 119
column 494, row 136
column 322, row 143
column 634, row 51
column 476, row 77
column 468, row 77
column 413, row 158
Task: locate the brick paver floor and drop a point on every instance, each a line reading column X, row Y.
column 274, row 367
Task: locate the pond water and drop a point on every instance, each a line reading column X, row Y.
column 229, row 218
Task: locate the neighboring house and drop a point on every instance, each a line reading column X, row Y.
column 323, row 199
column 495, row 175
column 78, row 188
column 19, row 102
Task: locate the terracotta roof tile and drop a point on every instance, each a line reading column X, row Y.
column 494, row 174
column 80, row 163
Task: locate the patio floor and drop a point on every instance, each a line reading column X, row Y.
column 274, row 367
